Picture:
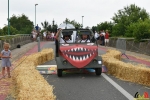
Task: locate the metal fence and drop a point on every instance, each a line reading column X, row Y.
column 124, row 45
column 121, row 46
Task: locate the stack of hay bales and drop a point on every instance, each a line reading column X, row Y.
column 125, row 71
column 27, row 83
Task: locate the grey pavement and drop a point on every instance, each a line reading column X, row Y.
column 84, row 86
column 89, row 86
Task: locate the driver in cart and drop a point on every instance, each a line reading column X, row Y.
column 64, row 39
column 84, row 38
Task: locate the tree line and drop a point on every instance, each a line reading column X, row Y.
column 131, row 21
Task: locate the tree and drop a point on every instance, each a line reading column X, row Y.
column 13, row 31
column 48, row 27
column 105, row 26
column 1, row 32
column 87, row 27
column 139, row 30
column 125, row 17
column 73, row 22
column 22, row 24
column 54, row 28
column 45, row 25
column 94, row 28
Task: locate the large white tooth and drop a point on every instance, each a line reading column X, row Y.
column 87, row 57
column 68, row 50
column 85, row 49
column 70, row 57
column 80, row 58
column 81, row 49
column 83, row 57
column 71, row 49
column 90, row 55
column 75, row 49
column 78, row 49
column 77, row 59
column 66, row 55
column 74, row 58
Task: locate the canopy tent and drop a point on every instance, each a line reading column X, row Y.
column 64, row 26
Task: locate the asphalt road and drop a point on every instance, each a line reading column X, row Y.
column 90, row 86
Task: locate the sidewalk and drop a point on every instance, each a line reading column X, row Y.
column 25, row 50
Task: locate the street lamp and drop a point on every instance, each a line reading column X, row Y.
column 82, row 21
column 35, row 13
column 8, row 18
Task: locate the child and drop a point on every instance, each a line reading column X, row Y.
column 6, row 63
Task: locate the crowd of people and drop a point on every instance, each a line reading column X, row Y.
column 35, row 32
column 102, row 37
column 48, row 36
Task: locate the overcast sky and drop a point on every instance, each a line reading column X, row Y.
column 94, row 11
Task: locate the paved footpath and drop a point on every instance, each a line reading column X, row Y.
column 33, row 48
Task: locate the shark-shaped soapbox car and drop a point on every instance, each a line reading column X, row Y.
column 77, row 54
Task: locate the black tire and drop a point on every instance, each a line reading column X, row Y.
column 98, row 71
column 59, row 72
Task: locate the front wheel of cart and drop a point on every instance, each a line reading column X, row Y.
column 98, row 71
column 59, row 72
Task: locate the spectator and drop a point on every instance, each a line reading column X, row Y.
column 52, row 36
column 37, row 28
column 103, row 37
column 49, row 36
column 34, row 35
column 96, row 35
column 44, row 35
column 106, row 38
column 6, row 63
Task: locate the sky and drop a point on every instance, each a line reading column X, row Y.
column 94, row 11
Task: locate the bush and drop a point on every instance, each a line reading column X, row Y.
column 139, row 30
column 13, row 31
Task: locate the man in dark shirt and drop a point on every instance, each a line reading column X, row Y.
column 37, row 27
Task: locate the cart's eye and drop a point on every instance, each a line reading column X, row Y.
column 64, row 61
column 94, row 60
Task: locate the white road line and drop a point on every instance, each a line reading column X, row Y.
column 118, row 87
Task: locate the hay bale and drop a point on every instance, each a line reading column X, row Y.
column 27, row 82
column 125, row 71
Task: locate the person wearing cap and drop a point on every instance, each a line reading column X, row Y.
column 64, row 39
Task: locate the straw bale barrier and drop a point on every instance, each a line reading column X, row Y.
column 27, row 82
column 125, row 71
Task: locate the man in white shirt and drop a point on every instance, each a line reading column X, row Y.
column 64, row 39
column 96, row 35
column 52, row 36
column 44, row 35
column 84, row 39
column 103, row 32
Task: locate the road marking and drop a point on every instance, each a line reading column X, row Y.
column 118, row 87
